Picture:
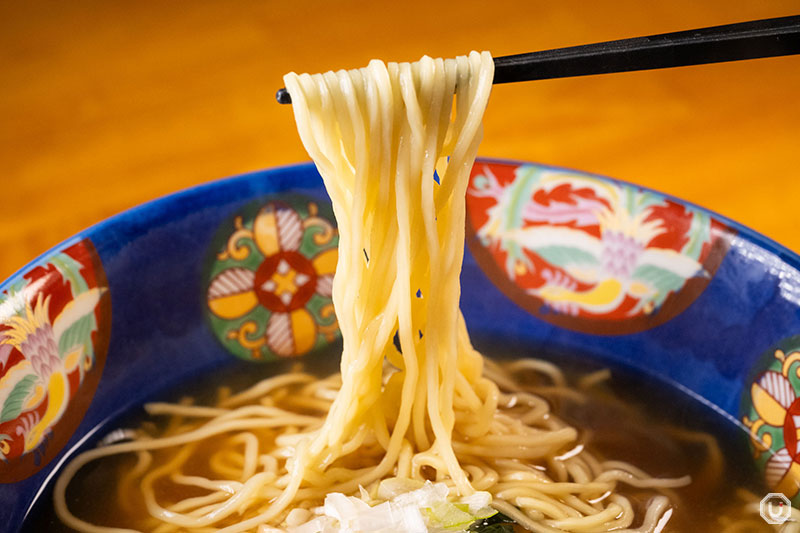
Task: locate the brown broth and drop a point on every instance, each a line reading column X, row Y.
column 628, row 418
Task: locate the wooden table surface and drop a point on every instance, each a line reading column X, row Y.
column 105, row 105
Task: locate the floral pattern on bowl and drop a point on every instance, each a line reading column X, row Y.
column 270, row 280
column 588, row 253
column 771, row 413
column 54, row 328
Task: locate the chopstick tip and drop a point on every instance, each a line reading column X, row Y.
column 283, row 96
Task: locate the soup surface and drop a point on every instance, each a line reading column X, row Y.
column 621, row 416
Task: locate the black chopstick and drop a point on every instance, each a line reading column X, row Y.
column 731, row 42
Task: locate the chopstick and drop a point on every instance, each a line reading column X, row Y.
column 732, row 42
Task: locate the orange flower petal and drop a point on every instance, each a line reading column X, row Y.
column 772, row 412
column 789, row 484
column 325, row 262
column 276, row 228
column 234, row 305
column 304, row 330
column 265, row 231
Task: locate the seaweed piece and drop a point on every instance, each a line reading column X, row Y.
column 498, row 523
column 496, row 528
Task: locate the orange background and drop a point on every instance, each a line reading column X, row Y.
column 105, row 105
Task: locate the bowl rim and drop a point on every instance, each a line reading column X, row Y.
column 785, row 254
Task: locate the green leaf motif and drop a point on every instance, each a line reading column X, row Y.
column 527, row 177
column 699, row 234
column 70, row 268
column 566, row 255
column 12, row 407
column 78, row 333
column 514, row 254
column 663, row 280
column 646, row 200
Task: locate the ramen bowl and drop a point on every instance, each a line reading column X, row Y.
column 240, row 270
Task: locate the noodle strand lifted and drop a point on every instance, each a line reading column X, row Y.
column 401, row 234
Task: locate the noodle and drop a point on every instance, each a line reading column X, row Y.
column 395, row 150
column 545, row 498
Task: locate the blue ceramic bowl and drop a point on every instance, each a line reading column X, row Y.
column 557, row 260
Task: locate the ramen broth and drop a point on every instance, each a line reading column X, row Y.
column 621, row 416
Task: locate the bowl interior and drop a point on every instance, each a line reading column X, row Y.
column 557, row 262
